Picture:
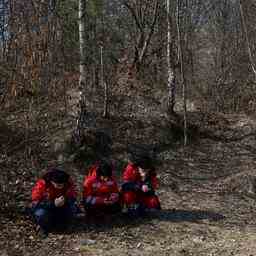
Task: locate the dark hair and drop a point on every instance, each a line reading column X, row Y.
column 138, row 153
column 56, row 175
column 104, row 169
column 145, row 163
column 151, row 173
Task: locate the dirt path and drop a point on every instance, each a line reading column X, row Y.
column 207, row 194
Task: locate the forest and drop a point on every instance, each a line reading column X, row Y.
column 85, row 80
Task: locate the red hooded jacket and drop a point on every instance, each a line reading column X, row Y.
column 45, row 191
column 129, row 196
column 131, row 174
column 97, row 191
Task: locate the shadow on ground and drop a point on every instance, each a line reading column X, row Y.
column 119, row 220
column 107, row 223
column 177, row 215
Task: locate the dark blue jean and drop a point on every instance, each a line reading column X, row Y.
column 101, row 209
column 55, row 217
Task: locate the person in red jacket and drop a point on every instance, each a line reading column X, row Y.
column 100, row 190
column 138, row 188
column 53, row 200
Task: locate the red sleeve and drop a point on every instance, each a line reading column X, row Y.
column 92, row 172
column 88, row 180
column 71, row 192
column 115, row 188
column 114, row 196
column 88, row 193
column 97, row 198
column 87, row 186
column 130, row 174
column 155, row 182
column 38, row 191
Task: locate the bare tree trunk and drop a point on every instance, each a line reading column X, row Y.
column 247, row 38
column 104, row 84
column 170, row 70
column 82, row 67
column 183, row 81
column 149, row 36
column 146, row 30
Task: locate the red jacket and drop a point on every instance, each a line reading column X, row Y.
column 43, row 191
column 96, row 191
column 131, row 174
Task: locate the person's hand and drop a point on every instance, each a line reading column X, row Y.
column 145, row 188
column 114, row 197
column 137, row 187
column 107, row 201
column 59, row 201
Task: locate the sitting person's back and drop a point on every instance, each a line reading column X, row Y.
column 100, row 190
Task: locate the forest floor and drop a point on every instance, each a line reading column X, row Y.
column 207, row 191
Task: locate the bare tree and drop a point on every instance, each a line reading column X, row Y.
column 247, row 38
column 104, row 84
column 82, row 66
column 183, row 80
column 170, row 70
column 145, row 15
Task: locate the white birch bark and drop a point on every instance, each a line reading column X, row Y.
column 82, row 67
column 183, row 81
column 170, row 71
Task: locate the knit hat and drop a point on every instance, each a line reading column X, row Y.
column 104, row 169
column 56, row 175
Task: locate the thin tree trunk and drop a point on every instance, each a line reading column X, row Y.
column 149, row 36
column 103, row 85
column 170, row 70
column 82, row 67
column 183, row 81
column 145, row 37
column 247, row 38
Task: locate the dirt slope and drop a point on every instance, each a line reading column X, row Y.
column 208, row 199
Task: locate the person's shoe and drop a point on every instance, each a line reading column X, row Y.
column 134, row 211
column 125, row 209
column 42, row 233
column 80, row 215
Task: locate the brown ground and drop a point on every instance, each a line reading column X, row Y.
column 207, row 193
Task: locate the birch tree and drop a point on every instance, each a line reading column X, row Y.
column 82, row 66
column 170, row 69
column 183, row 81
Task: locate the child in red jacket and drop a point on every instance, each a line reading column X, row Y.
column 100, row 190
column 53, row 200
column 138, row 188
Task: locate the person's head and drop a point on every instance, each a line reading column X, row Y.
column 134, row 159
column 104, row 171
column 146, row 168
column 143, row 172
column 57, row 178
